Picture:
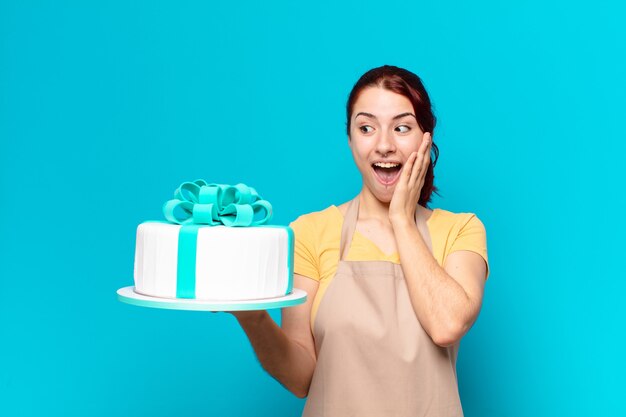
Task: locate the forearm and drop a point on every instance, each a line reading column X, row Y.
column 286, row 360
column 440, row 303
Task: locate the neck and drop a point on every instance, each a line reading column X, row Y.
column 372, row 208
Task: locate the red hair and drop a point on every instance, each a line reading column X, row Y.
column 409, row 85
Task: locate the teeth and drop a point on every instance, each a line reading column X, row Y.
column 386, row 164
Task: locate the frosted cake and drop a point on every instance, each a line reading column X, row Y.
column 216, row 245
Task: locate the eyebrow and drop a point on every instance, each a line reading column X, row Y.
column 399, row 116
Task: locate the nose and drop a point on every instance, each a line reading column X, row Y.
column 385, row 144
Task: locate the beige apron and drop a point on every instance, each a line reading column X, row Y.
column 373, row 356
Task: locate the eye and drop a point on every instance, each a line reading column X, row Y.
column 363, row 129
column 403, row 126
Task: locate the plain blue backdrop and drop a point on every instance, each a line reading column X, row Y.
column 106, row 107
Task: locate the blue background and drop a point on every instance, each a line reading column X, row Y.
column 105, row 107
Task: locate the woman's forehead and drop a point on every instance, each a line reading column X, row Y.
column 381, row 103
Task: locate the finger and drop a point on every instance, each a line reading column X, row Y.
column 426, row 142
column 427, row 153
column 424, row 159
column 408, row 167
column 415, row 171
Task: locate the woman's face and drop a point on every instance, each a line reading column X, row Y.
column 383, row 134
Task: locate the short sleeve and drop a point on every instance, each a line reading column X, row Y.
column 306, row 262
column 472, row 236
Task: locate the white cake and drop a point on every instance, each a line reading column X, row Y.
column 213, row 262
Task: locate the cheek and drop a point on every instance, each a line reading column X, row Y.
column 410, row 146
column 359, row 153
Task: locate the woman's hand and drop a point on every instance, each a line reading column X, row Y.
column 407, row 193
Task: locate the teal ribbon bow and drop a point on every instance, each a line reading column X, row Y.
column 198, row 202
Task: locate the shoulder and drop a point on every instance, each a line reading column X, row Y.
column 315, row 233
column 463, row 231
column 451, row 225
column 318, row 227
column 320, row 218
column 455, row 222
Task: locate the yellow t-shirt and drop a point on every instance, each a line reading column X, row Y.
column 318, row 235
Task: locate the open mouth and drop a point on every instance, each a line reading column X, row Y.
column 387, row 172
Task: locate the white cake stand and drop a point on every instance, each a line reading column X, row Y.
column 129, row 296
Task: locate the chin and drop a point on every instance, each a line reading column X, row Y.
column 384, row 197
column 382, row 194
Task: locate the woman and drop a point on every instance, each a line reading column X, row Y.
column 392, row 285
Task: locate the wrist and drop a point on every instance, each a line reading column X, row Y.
column 400, row 220
column 251, row 317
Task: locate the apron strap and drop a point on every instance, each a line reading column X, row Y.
column 348, row 227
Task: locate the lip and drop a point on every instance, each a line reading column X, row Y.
column 387, row 184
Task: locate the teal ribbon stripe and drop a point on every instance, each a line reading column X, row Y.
column 186, row 268
column 199, row 204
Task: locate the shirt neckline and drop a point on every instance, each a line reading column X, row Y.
column 385, row 255
column 435, row 210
